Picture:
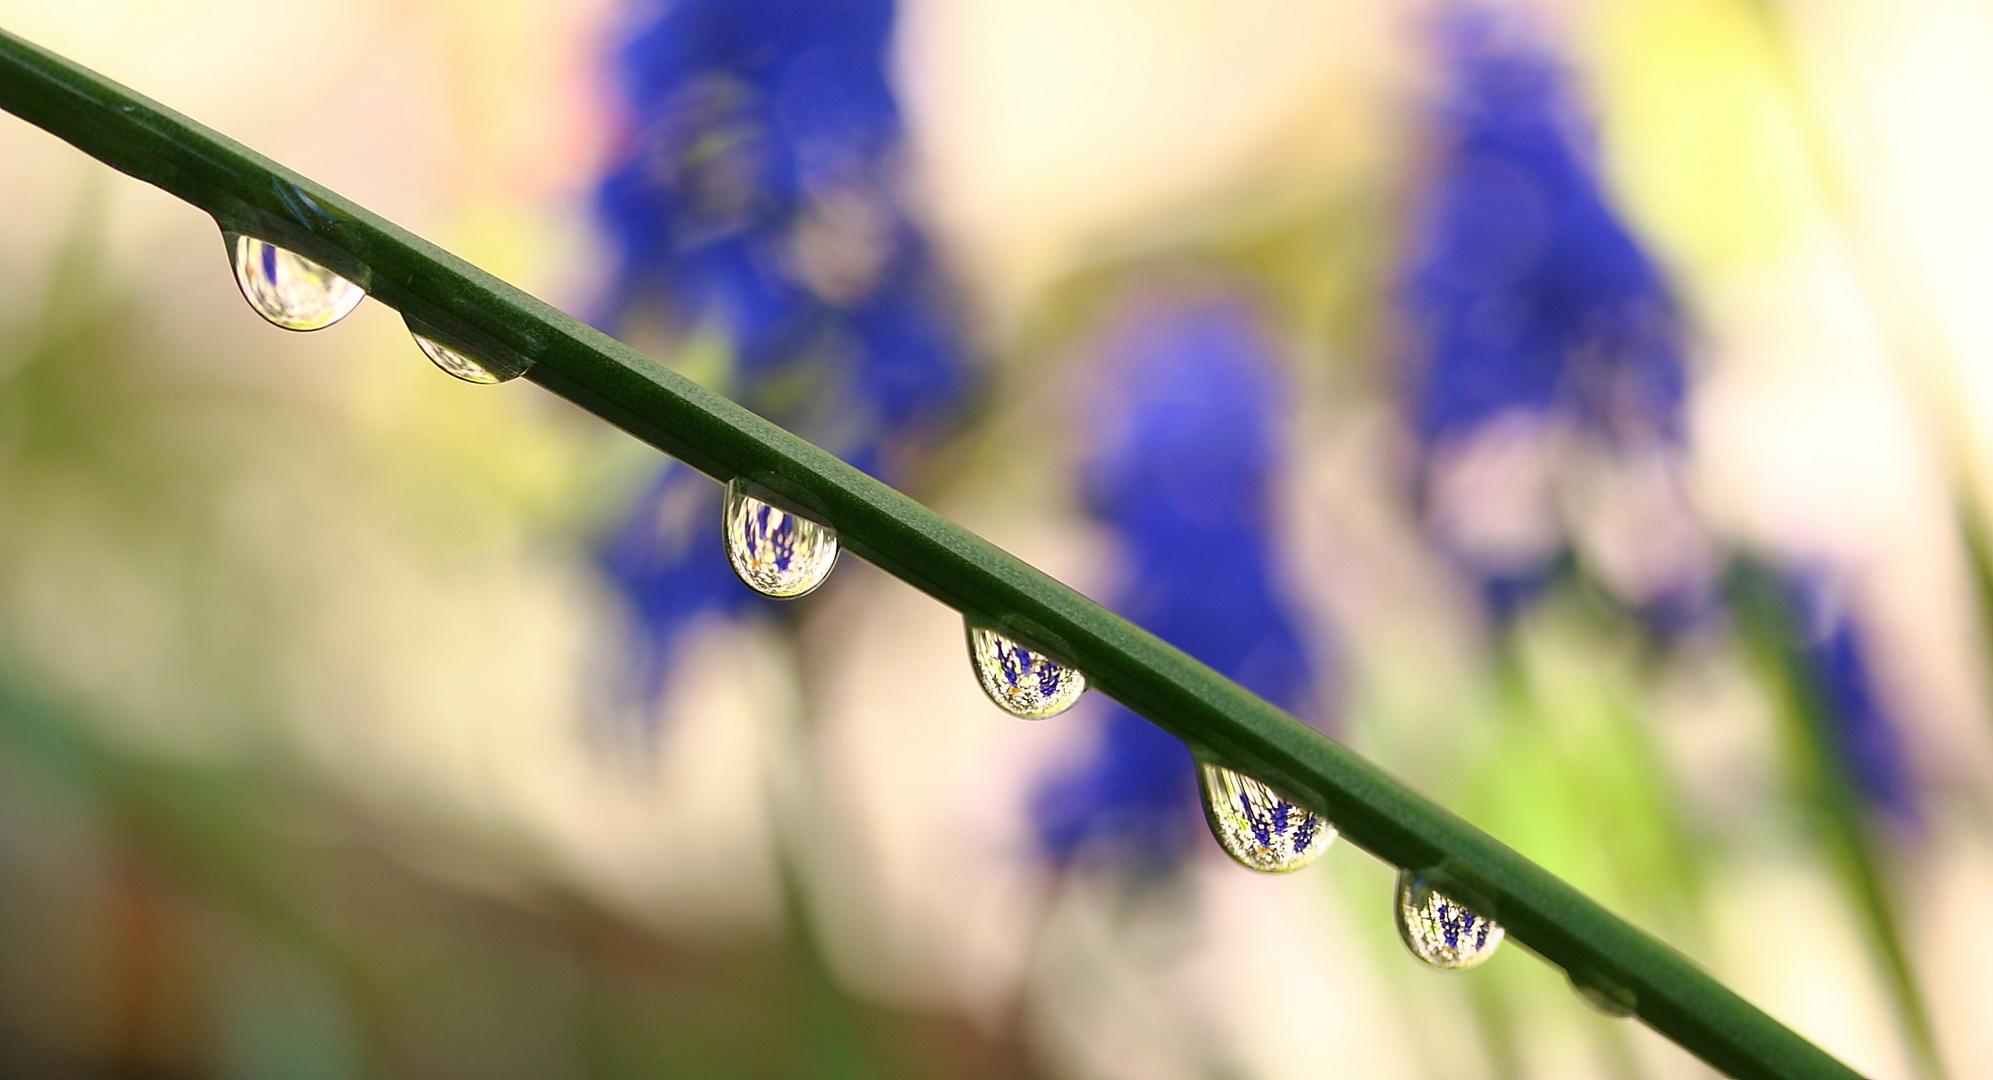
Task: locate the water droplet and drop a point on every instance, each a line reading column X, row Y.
column 456, row 363
column 776, row 553
column 1439, row 930
column 288, row 289
column 1261, row 828
column 1022, row 681
column 1603, row 994
column 498, row 365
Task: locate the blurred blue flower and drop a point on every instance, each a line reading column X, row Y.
column 668, row 563
column 1861, row 733
column 1532, row 309
column 755, row 196
column 1182, row 471
column 1529, row 291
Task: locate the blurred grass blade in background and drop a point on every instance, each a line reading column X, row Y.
column 1844, row 761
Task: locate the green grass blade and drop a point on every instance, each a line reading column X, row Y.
column 1825, row 778
column 480, row 313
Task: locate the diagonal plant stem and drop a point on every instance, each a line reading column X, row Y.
column 471, row 310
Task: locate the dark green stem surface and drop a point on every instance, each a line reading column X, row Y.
column 469, row 309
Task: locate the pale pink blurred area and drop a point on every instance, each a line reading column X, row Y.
column 333, row 777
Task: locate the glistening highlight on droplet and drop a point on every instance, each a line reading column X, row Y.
column 1439, row 930
column 288, row 289
column 1256, row 825
column 774, row 552
column 456, row 363
column 1022, row 681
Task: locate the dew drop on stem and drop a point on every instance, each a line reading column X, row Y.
column 1257, row 826
column 774, row 552
column 1021, row 680
column 457, row 364
column 288, row 289
column 1604, row 995
column 1439, row 930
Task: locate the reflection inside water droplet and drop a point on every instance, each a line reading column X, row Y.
column 288, row 289
column 1021, row 681
column 1261, row 828
column 1439, row 930
column 776, row 553
column 456, row 363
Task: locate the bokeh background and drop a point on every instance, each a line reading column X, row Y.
column 1584, row 409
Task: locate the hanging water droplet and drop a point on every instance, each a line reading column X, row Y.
column 288, row 289
column 1603, row 994
column 494, row 363
column 776, row 553
column 456, row 363
column 1021, row 681
column 1261, row 828
column 1439, row 930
